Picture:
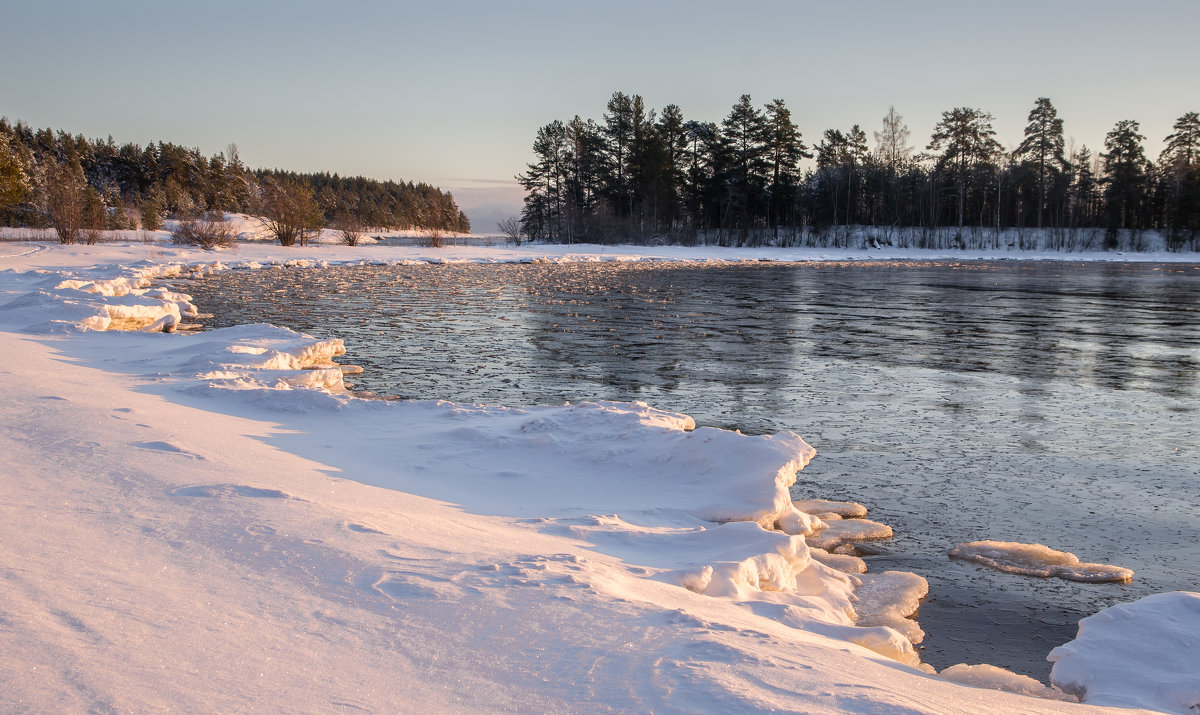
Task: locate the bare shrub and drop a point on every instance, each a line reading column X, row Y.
column 511, row 228
column 204, row 233
column 350, row 228
column 433, row 236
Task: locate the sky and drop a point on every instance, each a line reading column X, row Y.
column 451, row 93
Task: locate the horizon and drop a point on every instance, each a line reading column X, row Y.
column 344, row 104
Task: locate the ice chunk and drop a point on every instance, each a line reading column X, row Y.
column 839, row 532
column 1144, row 654
column 994, row 678
column 890, row 599
column 1037, row 560
column 820, row 507
column 846, row 563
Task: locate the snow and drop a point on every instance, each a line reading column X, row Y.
column 209, row 521
column 1037, row 560
column 1144, row 654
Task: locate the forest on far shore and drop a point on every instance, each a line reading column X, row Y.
column 639, row 174
column 45, row 174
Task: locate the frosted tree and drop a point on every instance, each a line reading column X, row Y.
column 66, row 201
column 1042, row 149
column 14, row 180
column 891, row 142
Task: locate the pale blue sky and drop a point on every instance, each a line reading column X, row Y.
column 451, row 93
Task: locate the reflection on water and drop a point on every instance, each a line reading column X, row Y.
column 1020, row 401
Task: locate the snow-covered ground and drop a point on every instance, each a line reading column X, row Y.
column 167, row 547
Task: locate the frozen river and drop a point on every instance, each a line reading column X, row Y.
column 1017, row 401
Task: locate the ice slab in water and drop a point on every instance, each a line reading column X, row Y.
column 1037, row 560
column 823, row 507
column 842, row 531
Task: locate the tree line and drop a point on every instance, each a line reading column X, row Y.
column 99, row 184
column 641, row 174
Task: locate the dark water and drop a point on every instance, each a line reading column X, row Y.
column 1017, row 401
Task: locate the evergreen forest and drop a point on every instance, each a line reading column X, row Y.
column 641, row 174
column 130, row 186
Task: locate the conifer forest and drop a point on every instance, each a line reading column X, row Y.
column 132, row 186
column 641, row 174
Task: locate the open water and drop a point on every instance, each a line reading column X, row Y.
column 1017, row 401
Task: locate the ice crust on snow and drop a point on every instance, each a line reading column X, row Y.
column 1037, row 560
column 1144, row 654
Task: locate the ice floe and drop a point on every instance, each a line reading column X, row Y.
column 1037, row 560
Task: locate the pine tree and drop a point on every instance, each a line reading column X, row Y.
column 703, row 139
column 543, row 180
column 672, row 132
column 744, row 136
column 785, row 149
column 1042, row 148
column 14, row 178
column 622, row 124
column 967, row 141
column 1180, row 166
column 1124, row 178
column 1083, row 188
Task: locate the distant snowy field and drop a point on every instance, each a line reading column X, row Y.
column 165, row 547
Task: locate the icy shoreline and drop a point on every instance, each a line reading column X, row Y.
column 740, row 539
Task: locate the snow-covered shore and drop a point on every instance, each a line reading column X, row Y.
column 208, row 521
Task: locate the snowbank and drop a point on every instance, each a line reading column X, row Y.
column 1144, row 654
column 1037, row 560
